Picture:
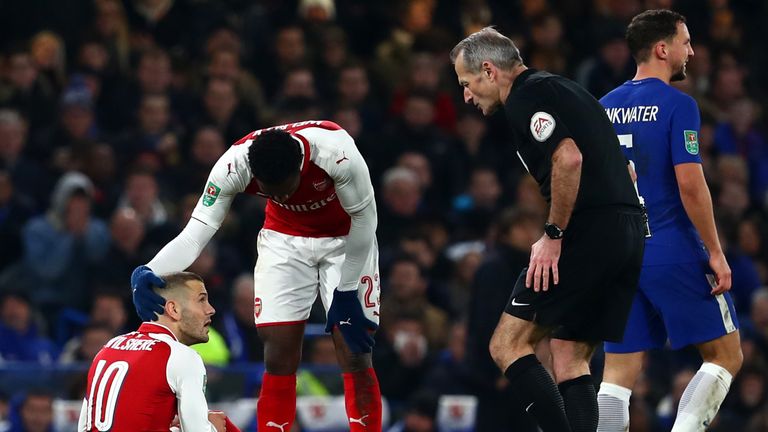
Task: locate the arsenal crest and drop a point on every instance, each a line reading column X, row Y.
column 320, row 185
column 257, row 307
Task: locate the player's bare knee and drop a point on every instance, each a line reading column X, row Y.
column 724, row 352
column 730, row 360
column 278, row 364
column 281, row 357
column 623, row 369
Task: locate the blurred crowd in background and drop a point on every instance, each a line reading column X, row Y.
column 113, row 112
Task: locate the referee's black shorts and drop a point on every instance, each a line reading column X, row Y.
column 599, row 267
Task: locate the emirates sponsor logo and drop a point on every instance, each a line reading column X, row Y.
column 310, row 206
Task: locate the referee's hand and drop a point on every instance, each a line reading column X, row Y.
column 545, row 254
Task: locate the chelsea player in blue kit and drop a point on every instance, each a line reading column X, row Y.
column 683, row 292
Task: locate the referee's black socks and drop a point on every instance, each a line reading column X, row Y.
column 536, row 393
column 580, row 403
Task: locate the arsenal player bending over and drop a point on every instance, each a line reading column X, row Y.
column 318, row 236
column 142, row 380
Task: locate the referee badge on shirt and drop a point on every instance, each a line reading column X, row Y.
column 691, row 141
column 542, row 126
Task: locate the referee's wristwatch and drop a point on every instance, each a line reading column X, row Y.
column 553, row 231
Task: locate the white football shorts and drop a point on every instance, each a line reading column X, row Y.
column 291, row 270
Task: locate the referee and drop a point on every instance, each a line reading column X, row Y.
column 583, row 272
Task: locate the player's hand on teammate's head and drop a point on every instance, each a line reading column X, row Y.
column 346, row 314
column 149, row 305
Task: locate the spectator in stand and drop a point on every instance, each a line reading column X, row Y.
column 353, row 89
column 610, row 67
column 224, row 63
column 413, row 18
column 155, row 136
column 23, row 88
column 100, row 166
column 548, row 51
column 154, row 76
column 401, row 198
column 334, row 53
column 221, row 106
column 298, row 83
column 63, row 245
column 236, row 324
column 727, row 87
column 83, row 349
column 745, row 276
column 474, row 210
column 15, row 210
column 407, row 288
column 206, row 148
column 49, row 54
column 76, row 130
column 142, row 195
column 450, row 375
column 757, row 328
column 477, row 146
column 109, row 310
column 288, row 51
column 402, row 356
column 752, row 242
column 424, row 76
column 20, row 335
column 748, row 398
column 110, row 28
column 32, row 412
column 27, row 174
column 740, row 135
column 125, row 253
column 421, row 166
column 415, row 131
column 420, row 414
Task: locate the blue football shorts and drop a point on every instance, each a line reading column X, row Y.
column 673, row 302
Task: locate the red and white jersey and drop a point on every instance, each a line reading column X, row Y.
column 331, row 162
column 334, row 199
column 140, row 380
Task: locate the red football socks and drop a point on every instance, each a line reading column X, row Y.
column 362, row 398
column 276, row 407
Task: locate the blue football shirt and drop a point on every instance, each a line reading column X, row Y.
column 658, row 128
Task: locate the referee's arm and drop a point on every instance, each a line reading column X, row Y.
column 565, row 179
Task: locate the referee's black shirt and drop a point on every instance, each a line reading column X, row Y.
column 543, row 109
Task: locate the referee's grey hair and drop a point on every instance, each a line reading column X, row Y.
column 487, row 44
